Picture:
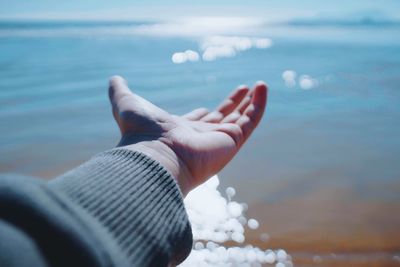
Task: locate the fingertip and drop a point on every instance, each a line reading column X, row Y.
column 261, row 87
column 261, row 83
column 118, row 87
column 243, row 87
column 236, row 97
column 260, row 94
column 241, row 91
column 116, row 79
column 203, row 110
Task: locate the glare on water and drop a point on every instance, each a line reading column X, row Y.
column 215, row 220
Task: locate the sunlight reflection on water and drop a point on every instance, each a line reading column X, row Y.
column 305, row 81
column 218, row 46
column 215, row 220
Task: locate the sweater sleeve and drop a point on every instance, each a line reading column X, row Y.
column 121, row 208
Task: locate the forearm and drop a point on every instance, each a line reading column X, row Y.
column 137, row 200
column 121, row 208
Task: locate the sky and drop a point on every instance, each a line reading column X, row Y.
column 161, row 9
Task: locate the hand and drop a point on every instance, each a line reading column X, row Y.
column 195, row 146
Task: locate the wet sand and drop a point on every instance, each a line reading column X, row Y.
column 322, row 220
column 326, row 228
column 322, row 215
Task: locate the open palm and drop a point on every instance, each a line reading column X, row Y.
column 196, row 145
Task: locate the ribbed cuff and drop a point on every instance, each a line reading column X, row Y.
column 137, row 201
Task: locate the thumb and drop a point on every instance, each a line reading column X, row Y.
column 118, row 88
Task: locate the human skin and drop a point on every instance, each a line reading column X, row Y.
column 192, row 147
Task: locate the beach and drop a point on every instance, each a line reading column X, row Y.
column 321, row 172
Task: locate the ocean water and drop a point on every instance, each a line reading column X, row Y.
column 53, row 84
column 333, row 104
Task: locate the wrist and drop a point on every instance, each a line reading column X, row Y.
column 163, row 154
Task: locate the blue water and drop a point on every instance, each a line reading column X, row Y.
column 54, row 111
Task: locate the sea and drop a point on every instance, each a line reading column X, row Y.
column 334, row 86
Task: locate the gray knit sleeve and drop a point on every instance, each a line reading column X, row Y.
column 136, row 201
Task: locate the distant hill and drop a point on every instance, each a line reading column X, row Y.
column 362, row 22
